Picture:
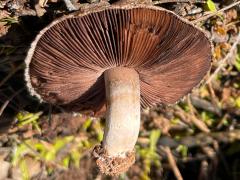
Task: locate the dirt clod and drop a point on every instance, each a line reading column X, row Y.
column 112, row 166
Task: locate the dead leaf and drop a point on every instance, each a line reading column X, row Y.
column 42, row 3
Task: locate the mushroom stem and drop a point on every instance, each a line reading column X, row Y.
column 123, row 111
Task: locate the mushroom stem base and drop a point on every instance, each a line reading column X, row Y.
column 112, row 166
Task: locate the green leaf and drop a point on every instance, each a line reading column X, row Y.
column 50, row 156
column 22, row 116
column 236, row 85
column 207, row 118
column 237, row 102
column 24, row 170
column 98, row 130
column 41, row 148
column 25, row 118
column 37, row 127
column 61, row 142
column 100, row 136
column 86, row 143
column 76, row 156
column 66, row 161
column 58, row 145
column 154, row 136
column 237, row 62
column 211, row 6
column 149, row 154
column 183, row 150
column 18, row 153
column 175, row 121
column 87, row 124
column 9, row 21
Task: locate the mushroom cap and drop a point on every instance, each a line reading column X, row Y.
column 66, row 62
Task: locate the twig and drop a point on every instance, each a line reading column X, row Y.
column 172, row 163
column 203, row 139
column 214, row 98
column 188, row 118
column 203, row 18
column 13, row 58
column 209, row 151
column 203, row 170
column 222, row 62
column 13, row 105
column 11, row 74
column 205, row 105
column 70, row 5
column 199, row 123
column 221, row 122
column 178, row 1
column 222, row 158
column 50, row 115
column 8, row 101
column 191, row 107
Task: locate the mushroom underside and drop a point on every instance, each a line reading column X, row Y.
column 120, row 58
column 71, row 56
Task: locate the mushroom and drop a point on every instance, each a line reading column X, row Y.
column 117, row 58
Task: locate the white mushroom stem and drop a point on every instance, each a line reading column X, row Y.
column 123, row 111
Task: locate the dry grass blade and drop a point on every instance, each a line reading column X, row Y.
column 190, row 119
column 173, row 163
column 178, row 1
column 8, row 101
column 203, row 139
column 11, row 74
column 201, row 125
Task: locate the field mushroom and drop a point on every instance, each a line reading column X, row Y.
column 122, row 57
